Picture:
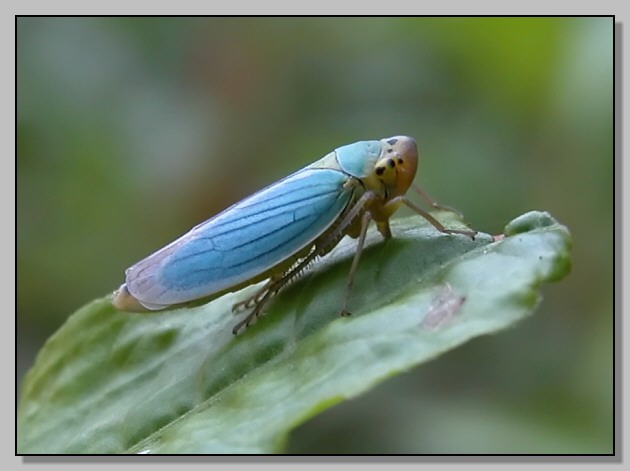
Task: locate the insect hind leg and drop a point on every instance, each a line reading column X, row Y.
column 253, row 300
column 271, row 288
column 258, row 301
column 260, row 298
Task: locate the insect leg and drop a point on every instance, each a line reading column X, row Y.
column 365, row 222
column 253, row 299
column 271, row 288
column 434, row 222
column 259, row 301
column 434, row 204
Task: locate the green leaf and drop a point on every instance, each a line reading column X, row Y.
column 180, row 382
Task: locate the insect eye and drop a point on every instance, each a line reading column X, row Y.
column 400, row 161
column 380, row 170
column 391, row 163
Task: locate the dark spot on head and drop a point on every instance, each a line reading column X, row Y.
column 400, row 161
column 380, row 170
column 391, row 163
column 389, row 151
column 391, row 142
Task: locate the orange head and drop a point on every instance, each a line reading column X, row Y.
column 397, row 164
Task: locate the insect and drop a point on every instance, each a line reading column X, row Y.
column 276, row 233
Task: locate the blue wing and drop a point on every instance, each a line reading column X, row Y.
column 243, row 241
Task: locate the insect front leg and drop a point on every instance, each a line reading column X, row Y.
column 434, row 204
column 434, row 222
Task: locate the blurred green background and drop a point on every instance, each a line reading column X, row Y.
column 132, row 130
